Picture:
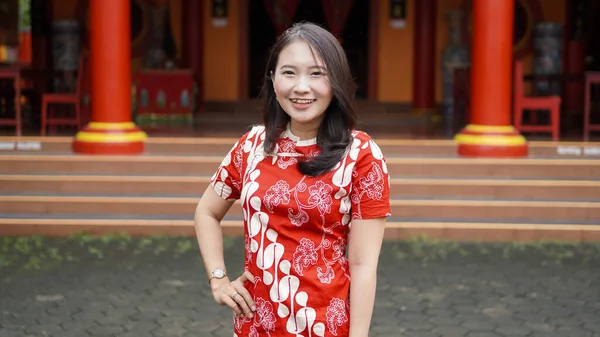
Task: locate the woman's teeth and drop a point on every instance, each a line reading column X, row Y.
column 302, row 101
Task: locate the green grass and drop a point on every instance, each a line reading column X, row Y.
column 38, row 252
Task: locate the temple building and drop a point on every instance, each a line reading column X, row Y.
column 186, row 57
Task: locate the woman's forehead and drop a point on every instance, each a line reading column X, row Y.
column 299, row 54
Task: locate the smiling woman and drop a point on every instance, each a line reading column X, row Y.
column 307, row 182
column 307, row 62
column 302, row 88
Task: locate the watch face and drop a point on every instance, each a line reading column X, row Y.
column 218, row 273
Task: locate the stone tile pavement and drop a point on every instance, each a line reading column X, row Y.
column 475, row 291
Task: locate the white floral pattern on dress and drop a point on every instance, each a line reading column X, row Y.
column 336, row 315
column 304, row 256
column 298, row 219
column 296, row 230
column 264, row 314
column 320, row 196
column 286, row 147
column 373, row 182
column 277, row 194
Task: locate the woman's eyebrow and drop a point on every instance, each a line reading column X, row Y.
column 311, row 67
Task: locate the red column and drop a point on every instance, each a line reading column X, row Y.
column 424, row 56
column 111, row 130
column 193, row 42
column 491, row 133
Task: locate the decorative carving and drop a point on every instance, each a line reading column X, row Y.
column 547, row 56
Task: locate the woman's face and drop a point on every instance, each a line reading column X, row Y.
column 302, row 86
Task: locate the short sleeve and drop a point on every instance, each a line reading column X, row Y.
column 227, row 180
column 370, row 193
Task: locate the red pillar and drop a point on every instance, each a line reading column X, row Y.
column 193, row 46
column 111, row 130
column 491, row 133
column 424, row 57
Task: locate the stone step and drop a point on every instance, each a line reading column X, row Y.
column 395, row 229
column 46, row 189
column 514, row 210
column 580, row 169
column 426, row 188
column 220, row 146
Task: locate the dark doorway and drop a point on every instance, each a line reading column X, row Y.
column 593, row 35
column 354, row 38
column 261, row 36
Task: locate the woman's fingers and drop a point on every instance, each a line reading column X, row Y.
column 247, row 276
column 237, row 297
column 243, row 298
column 230, row 302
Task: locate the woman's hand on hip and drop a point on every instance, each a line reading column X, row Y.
column 234, row 295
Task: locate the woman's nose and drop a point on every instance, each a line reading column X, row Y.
column 302, row 85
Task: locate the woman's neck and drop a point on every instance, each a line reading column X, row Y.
column 304, row 132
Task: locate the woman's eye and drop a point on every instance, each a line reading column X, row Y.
column 287, row 72
column 317, row 73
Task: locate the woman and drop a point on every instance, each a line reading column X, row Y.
column 304, row 180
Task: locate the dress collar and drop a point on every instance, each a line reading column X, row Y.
column 288, row 134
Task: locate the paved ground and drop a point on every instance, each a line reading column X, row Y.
column 476, row 291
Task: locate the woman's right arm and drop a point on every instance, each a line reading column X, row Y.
column 207, row 222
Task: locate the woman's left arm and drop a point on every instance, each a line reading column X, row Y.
column 366, row 237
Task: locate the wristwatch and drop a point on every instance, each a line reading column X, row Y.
column 218, row 274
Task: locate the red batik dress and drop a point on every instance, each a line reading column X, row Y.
column 296, row 230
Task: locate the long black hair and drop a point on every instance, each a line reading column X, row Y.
column 335, row 132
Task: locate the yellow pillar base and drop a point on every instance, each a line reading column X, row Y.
column 491, row 141
column 110, row 138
